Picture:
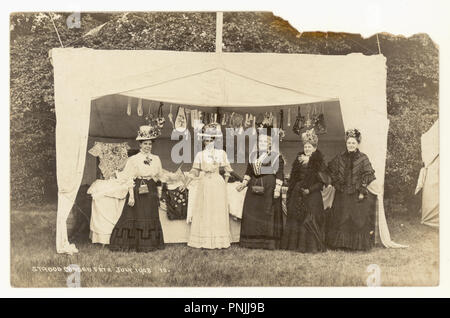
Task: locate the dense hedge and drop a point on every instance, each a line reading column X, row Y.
column 412, row 82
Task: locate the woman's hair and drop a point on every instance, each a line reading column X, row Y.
column 353, row 133
column 142, row 141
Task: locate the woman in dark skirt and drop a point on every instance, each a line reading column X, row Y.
column 262, row 223
column 352, row 221
column 304, row 231
column 139, row 228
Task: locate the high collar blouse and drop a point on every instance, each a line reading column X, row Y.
column 143, row 166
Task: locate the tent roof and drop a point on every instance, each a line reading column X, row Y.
column 219, row 87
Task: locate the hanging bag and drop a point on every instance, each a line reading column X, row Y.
column 143, row 188
column 299, row 123
column 160, row 118
column 258, row 188
column 320, row 126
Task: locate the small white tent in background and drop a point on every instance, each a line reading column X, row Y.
column 429, row 176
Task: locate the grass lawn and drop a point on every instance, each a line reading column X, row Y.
column 33, row 253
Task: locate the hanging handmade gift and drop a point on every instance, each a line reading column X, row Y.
column 237, row 123
column 129, row 106
column 289, row 118
column 180, row 119
column 170, row 116
column 299, row 123
column 320, row 126
column 139, row 108
column 160, row 118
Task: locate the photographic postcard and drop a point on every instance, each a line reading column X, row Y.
column 220, row 149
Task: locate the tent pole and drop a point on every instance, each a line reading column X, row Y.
column 378, row 42
column 219, row 27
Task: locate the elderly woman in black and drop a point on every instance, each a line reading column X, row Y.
column 262, row 220
column 352, row 222
column 304, row 231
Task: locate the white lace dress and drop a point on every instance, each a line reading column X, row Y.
column 208, row 204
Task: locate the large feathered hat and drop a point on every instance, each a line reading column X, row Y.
column 353, row 133
column 310, row 137
column 147, row 132
column 211, row 130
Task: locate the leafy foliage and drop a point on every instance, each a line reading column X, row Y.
column 412, row 78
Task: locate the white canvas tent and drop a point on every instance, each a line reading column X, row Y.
column 429, row 176
column 227, row 80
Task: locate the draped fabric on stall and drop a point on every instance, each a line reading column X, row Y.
column 227, row 80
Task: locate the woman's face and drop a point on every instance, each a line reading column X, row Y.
column 209, row 143
column 264, row 143
column 352, row 144
column 308, row 149
column 146, row 146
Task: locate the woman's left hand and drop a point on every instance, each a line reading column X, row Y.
column 361, row 196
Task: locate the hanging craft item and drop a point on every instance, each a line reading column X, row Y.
column 282, row 132
column 267, row 120
column 129, row 107
column 194, row 114
column 289, row 117
column 139, row 108
column 223, row 122
column 253, row 124
column 180, row 119
column 281, row 119
column 299, row 122
column 160, row 119
column 170, row 116
column 238, row 121
column 188, row 115
column 275, row 120
column 320, row 126
column 248, row 121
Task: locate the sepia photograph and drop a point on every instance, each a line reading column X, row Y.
column 220, row 149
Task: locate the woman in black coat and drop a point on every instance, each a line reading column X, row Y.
column 304, row 231
column 352, row 222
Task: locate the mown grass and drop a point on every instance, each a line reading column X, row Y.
column 33, row 246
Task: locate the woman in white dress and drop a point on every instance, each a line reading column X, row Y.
column 208, row 210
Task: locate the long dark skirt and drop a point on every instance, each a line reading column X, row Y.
column 305, row 224
column 351, row 224
column 262, row 223
column 139, row 228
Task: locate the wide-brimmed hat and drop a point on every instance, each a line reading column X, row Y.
column 211, row 130
column 148, row 132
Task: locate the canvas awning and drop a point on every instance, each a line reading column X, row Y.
column 211, row 80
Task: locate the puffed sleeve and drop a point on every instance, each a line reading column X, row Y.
column 197, row 161
column 128, row 174
column 160, row 172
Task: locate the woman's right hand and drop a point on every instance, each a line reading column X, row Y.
column 131, row 201
column 240, row 187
